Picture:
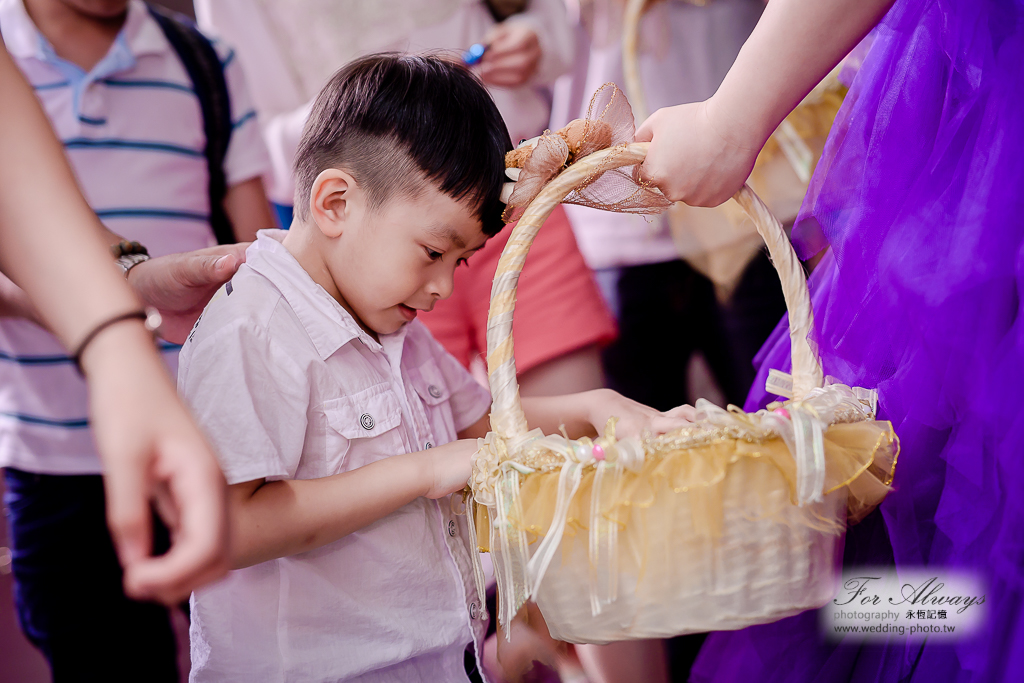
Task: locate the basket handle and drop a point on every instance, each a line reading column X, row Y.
column 631, row 15
column 507, row 418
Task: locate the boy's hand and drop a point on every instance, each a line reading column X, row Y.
column 513, row 55
column 180, row 285
column 634, row 418
column 449, row 467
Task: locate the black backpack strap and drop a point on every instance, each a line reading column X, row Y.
column 207, row 74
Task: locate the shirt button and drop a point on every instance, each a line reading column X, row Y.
column 428, row 444
column 434, row 391
column 451, row 527
column 474, row 610
column 366, row 420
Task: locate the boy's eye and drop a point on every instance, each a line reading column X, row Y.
column 433, row 255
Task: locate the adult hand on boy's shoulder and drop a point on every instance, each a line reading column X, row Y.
column 180, row 285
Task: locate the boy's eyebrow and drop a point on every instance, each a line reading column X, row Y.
column 449, row 234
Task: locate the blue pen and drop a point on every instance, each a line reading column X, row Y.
column 474, row 54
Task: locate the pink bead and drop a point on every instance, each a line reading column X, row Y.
column 783, row 412
column 598, row 452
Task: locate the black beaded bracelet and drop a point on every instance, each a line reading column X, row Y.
column 150, row 317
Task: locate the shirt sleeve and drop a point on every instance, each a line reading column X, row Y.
column 246, row 156
column 249, row 398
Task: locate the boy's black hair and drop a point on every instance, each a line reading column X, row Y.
column 392, row 120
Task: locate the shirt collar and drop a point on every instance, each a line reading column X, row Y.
column 327, row 323
column 141, row 32
column 20, row 34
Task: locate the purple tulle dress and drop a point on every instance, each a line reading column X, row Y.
column 920, row 195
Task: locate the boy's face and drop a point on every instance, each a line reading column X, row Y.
column 398, row 259
column 98, row 9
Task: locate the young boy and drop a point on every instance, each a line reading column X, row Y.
column 337, row 415
column 120, row 98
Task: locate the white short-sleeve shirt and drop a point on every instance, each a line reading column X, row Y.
column 132, row 130
column 286, row 385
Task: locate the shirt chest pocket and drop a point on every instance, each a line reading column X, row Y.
column 362, row 428
column 435, row 396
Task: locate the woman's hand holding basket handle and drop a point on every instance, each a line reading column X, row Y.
column 702, row 153
column 693, row 157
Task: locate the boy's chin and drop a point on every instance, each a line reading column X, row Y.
column 388, row 323
column 390, row 328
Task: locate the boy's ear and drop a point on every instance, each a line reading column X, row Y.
column 334, row 198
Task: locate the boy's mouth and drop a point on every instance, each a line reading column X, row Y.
column 407, row 312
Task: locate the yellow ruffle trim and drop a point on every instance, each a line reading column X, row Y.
column 860, row 456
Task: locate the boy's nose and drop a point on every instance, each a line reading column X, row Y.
column 441, row 286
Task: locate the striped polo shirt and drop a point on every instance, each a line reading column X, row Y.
column 132, row 129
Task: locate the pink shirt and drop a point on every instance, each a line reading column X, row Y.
column 287, row 386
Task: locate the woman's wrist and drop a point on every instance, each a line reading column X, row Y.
column 746, row 136
column 120, row 348
column 149, row 317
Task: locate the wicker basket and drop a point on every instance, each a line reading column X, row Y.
column 737, row 520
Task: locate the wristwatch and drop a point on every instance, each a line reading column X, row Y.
column 128, row 261
column 127, row 255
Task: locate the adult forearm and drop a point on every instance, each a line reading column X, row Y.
column 14, row 303
column 282, row 518
column 794, row 45
column 51, row 243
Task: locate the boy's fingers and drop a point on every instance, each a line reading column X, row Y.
column 686, row 412
column 663, row 424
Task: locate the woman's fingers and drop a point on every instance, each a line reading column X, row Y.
column 645, row 133
column 128, row 514
column 199, row 548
